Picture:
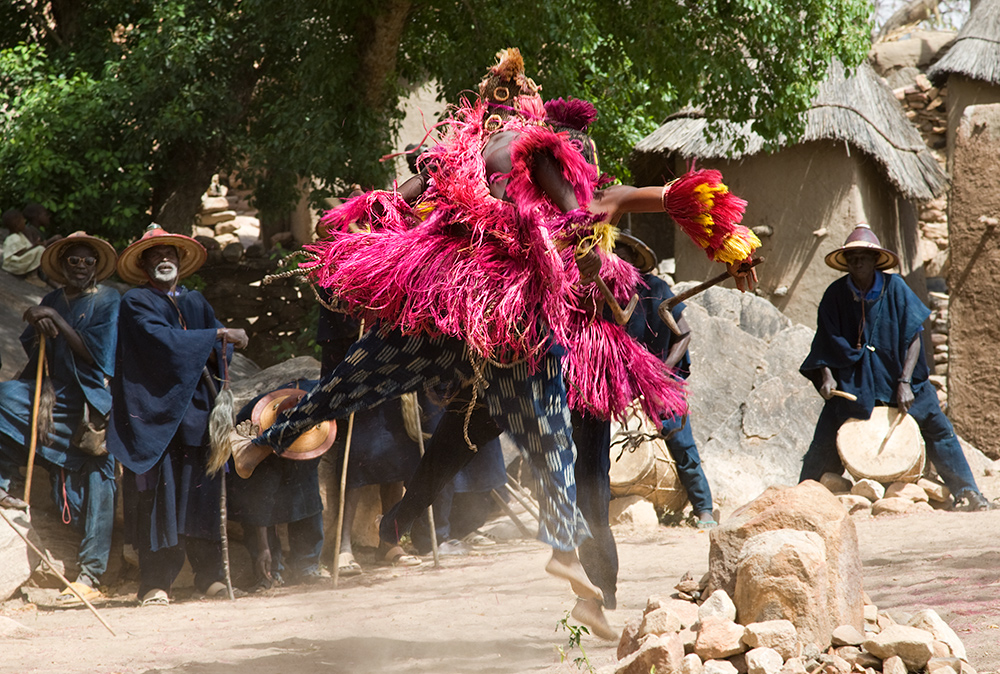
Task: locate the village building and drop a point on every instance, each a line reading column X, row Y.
column 859, row 160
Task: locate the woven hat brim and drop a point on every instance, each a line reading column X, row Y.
column 192, row 257
column 105, row 252
column 308, row 445
column 838, row 260
column 647, row 258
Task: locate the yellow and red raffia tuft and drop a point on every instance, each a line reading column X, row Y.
column 710, row 214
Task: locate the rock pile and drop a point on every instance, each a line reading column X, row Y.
column 783, row 595
column 227, row 218
column 867, row 497
column 678, row 640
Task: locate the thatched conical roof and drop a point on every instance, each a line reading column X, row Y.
column 860, row 111
column 975, row 52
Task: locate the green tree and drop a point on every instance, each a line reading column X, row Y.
column 113, row 112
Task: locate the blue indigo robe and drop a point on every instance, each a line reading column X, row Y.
column 866, row 356
column 160, row 393
column 94, row 317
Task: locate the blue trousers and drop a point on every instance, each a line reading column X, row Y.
column 942, row 446
column 528, row 404
column 685, row 455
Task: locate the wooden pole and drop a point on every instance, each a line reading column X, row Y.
column 54, row 570
column 338, row 536
column 34, row 417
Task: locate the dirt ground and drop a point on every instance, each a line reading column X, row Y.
column 494, row 611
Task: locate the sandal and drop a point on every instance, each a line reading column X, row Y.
column 348, row 566
column 67, row 599
column 397, row 557
column 479, row 540
column 8, row 501
column 155, row 598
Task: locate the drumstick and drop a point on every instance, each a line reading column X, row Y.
column 668, row 304
column 895, row 422
column 844, row 394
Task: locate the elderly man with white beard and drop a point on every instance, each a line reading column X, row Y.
column 171, row 359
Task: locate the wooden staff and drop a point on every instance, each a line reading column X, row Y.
column 338, row 536
column 667, row 305
column 34, row 418
column 54, row 570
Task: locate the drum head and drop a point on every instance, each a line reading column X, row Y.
column 631, row 454
column 900, row 459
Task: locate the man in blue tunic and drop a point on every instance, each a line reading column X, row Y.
column 79, row 323
column 169, row 347
column 868, row 343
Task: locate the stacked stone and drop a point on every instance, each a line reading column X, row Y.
column 868, row 497
column 939, row 341
column 226, row 217
column 926, row 107
column 676, row 637
column 784, row 596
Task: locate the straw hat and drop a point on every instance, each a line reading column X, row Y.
column 645, row 258
column 310, row 444
column 104, row 251
column 862, row 238
column 191, row 253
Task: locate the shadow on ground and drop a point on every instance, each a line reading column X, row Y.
column 373, row 655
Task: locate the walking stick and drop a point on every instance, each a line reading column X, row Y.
column 34, row 418
column 220, row 423
column 54, row 570
column 338, row 536
column 430, row 508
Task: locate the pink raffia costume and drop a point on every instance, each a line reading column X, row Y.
column 469, row 287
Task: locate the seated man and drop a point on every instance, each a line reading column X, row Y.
column 21, row 254
column 868, row 344
column 80, row 324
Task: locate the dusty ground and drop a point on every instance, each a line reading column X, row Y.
column 494, row 611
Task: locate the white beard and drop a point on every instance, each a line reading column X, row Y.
column 165, row 272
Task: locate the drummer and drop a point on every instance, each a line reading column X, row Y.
column 868, row 343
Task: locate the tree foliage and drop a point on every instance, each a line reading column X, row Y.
column 115, row 111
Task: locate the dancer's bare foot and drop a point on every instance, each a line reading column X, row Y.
column 565, row 564
column 246, row 455
column 591, row 614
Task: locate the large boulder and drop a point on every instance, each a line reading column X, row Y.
column 752, row 413
column 783, row 575
column 807, row 507
column 17, row 561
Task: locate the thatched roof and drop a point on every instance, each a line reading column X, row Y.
column 975, row 52
column 861, row 111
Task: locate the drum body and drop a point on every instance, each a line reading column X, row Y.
column 642, row 466
column 866, row 453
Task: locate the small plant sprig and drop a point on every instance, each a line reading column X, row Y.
column 576, row 633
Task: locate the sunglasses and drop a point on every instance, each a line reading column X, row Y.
column 75, row 260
